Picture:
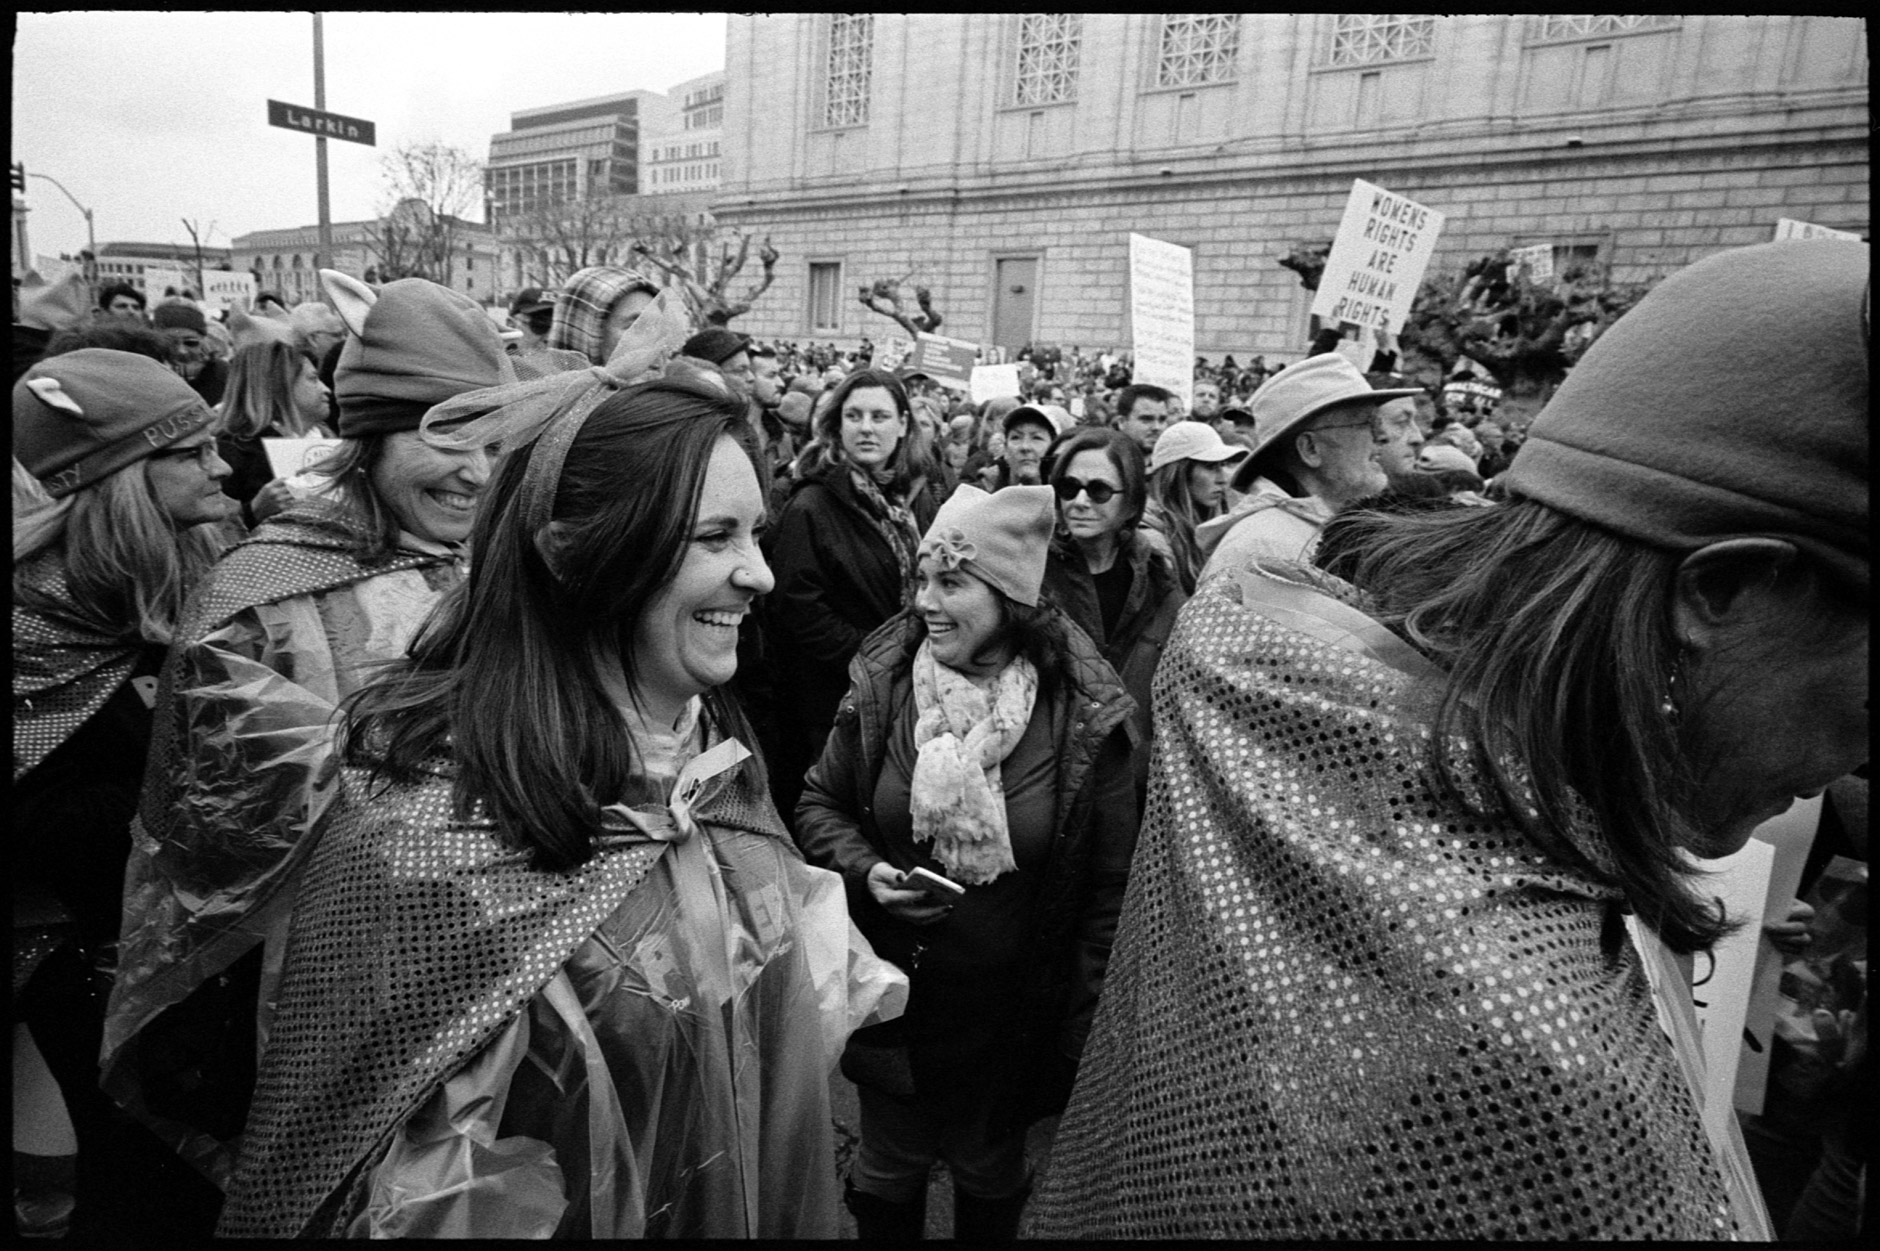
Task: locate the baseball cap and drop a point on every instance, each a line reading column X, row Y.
column 531, row 300
column 1191, row 440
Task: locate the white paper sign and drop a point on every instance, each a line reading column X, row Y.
column 989, row 382
column 1358, row 351
column 1162, row 315
column 1721, row 999
column 1790, row 835
column 287, row 457
column 1537, row 260
column 1384, row 244
column 51, row 268
column 222, row 289
column 892, row 352
column 157, row 281
column 1789, row 228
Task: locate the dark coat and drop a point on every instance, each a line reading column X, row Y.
column 837, row 579
column 1081, row 892
column 1142, row 629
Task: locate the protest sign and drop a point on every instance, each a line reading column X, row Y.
column 287, row 457
column 222, row 289
column 893, row 350
column 989, row 382
column 1162, row 315
column 1790, row 835
column 1789, row 228
column 158, row 280
column 1725, row 974
column 1358, row 351
column 1384, row 245
column 52, row 268
column 1536, row 261
column 948, row 362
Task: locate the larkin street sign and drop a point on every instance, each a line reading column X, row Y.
column 325, row 125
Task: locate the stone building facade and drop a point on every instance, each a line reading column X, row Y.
column 687, row 158
column 1003, row 160
column 282, row 261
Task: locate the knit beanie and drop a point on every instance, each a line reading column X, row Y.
column 1001, row 538
column 1730, row 402
column 715, row 344
column 179, row 317
column 246, row 331
column 82, row 415
column 413, row 345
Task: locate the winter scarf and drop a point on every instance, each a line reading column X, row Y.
column 962, row 733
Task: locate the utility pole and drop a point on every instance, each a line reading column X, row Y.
column 91, row 237
column 324, row 258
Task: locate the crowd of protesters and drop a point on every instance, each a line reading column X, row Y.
column 507, row 825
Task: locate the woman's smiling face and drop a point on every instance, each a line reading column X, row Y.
column 433, row 492
column 964, row 619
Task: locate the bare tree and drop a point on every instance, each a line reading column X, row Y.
column 700, row 260
column 884, row 296
column 559, row 238
column 431, row 186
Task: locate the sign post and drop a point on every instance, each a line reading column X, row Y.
column 319, row 123
column 1377, row 262
column 1162, row 315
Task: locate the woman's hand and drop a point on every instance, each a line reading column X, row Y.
column 270, row 500
column 1790, row 935
column 916, row 907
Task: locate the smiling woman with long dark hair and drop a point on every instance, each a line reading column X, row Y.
column 984, row 740
column 557, row 969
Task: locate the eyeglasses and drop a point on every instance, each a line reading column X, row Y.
column 204, row 454
column 1100, row 493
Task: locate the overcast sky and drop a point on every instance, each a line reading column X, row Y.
column 150, row 118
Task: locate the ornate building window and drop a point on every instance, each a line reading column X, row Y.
column 1366, row 38
column 851, row 62
column 1588, row 25
column 1197, row 48
column 1048, row 44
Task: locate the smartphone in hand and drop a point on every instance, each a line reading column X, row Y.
column 932, row 885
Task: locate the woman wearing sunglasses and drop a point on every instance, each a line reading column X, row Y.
column 1102, row 569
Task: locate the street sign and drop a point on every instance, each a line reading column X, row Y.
column 322, row 124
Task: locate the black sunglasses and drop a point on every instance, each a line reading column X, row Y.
column 1100, row 492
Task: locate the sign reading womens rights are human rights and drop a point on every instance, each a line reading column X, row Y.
column 1377, row 262
column 1162, row 315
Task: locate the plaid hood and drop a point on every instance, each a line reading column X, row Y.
column 582, row 307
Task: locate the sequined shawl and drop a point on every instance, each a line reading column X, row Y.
column 65, row 666
column 1342, row 1007
column 417, row 938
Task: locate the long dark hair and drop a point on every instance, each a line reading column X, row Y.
column 504, row 677
column 1559, row 644
column 1038, row 632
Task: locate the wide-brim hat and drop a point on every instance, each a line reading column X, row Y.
column 1297, row 394
column 1191, row 440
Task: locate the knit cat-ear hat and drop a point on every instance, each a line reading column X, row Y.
column 1731, row 402
column 1001, row 538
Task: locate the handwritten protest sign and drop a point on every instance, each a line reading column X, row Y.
column 1384, row 245
column 1162, row 314
column 948, row 362
column 1537, row 261
column 1789, row 228
column 157, row 280
column 989, row 382
column 222, row 289
column 287, row 457
column 893, row 350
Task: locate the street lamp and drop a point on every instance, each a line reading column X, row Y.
column 91, row 237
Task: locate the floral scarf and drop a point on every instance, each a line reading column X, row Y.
column 893, row 518
column 962, row 733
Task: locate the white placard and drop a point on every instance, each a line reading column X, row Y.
column 1162, row 315
column 1791, row 835
column 1537, row 260
column 1358, row 351
column 1789, row 228
column 990, row 382
column 52, row 268
column 224, row 289
column 1077, row 407
column 157, row 280
column 1741, row 881
column 287, row 457
column 1384, row 245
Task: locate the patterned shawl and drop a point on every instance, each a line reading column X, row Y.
column 1342, row 1007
